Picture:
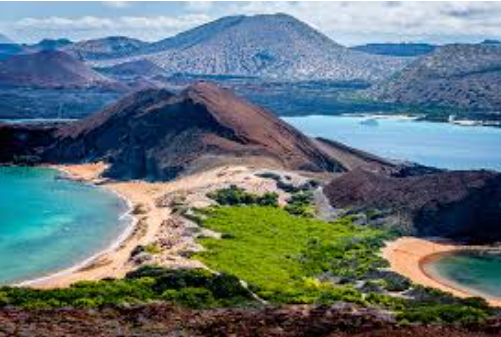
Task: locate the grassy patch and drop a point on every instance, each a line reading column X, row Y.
column 290, row 259
column 283, row 256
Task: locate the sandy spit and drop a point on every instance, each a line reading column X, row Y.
column 155, row 222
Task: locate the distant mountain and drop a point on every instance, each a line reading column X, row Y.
column 51, row 69
column 5, row 40
column 396, row 49
column 162, row 135
column 10, row 49
column 269, row 46
column 463, row 76
column 108, row 47
column 50, row 44
column 138, row 68
column 491, row 42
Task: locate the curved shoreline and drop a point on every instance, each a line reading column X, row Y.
column 409, row 255
column 155, row 223
column 435, row 275
column 132, row 222
column 114, row 254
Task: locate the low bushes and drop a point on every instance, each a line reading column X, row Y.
column 300, row 260
column 195, row 288
column 234, row 195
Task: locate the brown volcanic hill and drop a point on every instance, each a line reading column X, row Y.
column 156, row 134
column 455, row 204
column 51, row 69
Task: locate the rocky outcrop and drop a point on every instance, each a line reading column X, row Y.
column 23, row 144
column 157, row 320
column 455, row 204
column 159, row 135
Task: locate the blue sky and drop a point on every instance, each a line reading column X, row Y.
column 346, row 22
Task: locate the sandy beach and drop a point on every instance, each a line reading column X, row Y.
column 154, row 222
column 407, row 255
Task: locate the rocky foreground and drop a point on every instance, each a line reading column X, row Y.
column 341, row 320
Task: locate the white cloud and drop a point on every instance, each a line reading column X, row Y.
column 117, row 4
column 346, row 22
column 148, row 28
column 396, row 19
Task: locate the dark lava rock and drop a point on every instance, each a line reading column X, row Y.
column 154, row 320
column 455, row 204
column 23, row 144
column 159, row 135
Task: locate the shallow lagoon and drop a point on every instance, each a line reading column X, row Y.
column 475, row 272
column 48, row 224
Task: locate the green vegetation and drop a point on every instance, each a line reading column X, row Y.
column 301, row 204
column 152, row 248
column 282, row 256
column 290, row 259
column 238, row 196
column 444, row 313
column 196, row 288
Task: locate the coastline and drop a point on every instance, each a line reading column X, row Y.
column 89, row 174
column 409, row 255
column 131, row 223
column 154, row 221
column 113, row 261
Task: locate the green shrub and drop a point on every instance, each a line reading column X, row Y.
column 152, row 248
column 301, row 204
column 446, row 313
column 234, row 196
column 86, row 303
column 141, row 286
column 190, row 297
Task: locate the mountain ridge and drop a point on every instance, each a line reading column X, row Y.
column 457, row 75
column 267, row 46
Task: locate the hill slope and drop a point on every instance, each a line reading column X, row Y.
column 464, row 76
column 396, row 49
column 138, row 68
column 455, row 204
column 271, row 46
column 108, row 47
column 159, row 135
column 50, row 69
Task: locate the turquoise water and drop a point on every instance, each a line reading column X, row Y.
column 477, row 272
column 436, row 144
column 48, row 224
